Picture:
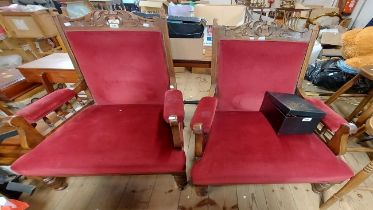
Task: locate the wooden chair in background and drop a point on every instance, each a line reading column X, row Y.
column 360, row 177
column 338, row 130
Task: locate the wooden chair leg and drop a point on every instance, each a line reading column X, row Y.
column 320, row 187
column 364, row 116
column 201, row 190
column 56, row 183
column 361, row 106
column 4, row 109
column 181, row 180
column 341, row 90
column 350, row 185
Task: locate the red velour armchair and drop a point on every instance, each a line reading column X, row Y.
column 235, row 144
column 135, row 124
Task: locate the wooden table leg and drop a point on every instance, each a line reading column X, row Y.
column 361, row 106
column 47, row 85
column 341, row 90
column 4, row 109
column 364, row 116
column 350, row 185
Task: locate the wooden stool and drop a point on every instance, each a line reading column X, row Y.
column 367, row 72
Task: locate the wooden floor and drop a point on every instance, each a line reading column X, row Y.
column 160, row 192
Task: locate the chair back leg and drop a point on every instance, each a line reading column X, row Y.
column 55, row 183
column 201, row 190
column 181, row 180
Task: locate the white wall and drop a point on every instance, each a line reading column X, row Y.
column 362, row 13
column 325, row 3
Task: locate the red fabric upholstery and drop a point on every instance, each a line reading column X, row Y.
column 173, row 105
column 106, row 139
column 247, row 69
column 122, row 67
column 45, row 105
column 205, row 113
column 243, row 148
column 332, row 119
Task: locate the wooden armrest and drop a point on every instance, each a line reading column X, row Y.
column 202, row 121
column 199, row 140
column 177, row 131
column 173, row 105
column 338, row 143
column 28, row 135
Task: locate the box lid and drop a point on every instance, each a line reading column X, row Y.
column 293, row 105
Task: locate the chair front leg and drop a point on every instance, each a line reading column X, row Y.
column 350, row 185
column 201, row 190
column 177, row 131
column 29, row 136
column 55, row 183
column 181, row 180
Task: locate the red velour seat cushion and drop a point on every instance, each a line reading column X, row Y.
column 332, row 119
column 242, row 148
column 247, row 69
column 106, row 139
column 122, row 67
column 45, row 105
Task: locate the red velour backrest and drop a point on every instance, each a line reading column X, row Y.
column 122, row 67
column 247, row 69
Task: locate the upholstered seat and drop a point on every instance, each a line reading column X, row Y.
column 107, row 139
column 242, row 148
column 235, row 144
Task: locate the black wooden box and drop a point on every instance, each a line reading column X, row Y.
column 290, row 114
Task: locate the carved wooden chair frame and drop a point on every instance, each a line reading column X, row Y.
column 277, row 33
column 252, row 30
column 105, row 20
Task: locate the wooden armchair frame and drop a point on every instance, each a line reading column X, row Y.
column 107, row 21
column 339, row 140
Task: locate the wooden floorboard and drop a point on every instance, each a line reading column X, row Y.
column 160, row 192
